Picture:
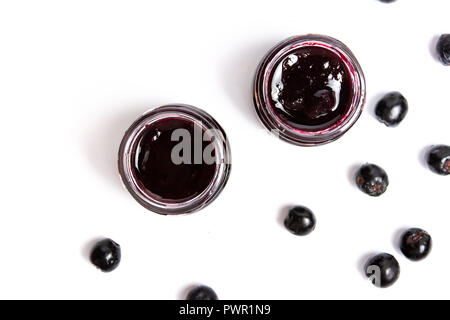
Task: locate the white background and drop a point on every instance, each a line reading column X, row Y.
column 75, row 74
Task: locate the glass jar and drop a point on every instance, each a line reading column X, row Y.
column 167, row 172
column 309, row 90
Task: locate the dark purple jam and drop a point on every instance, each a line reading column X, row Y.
column 156, row 171
column 311, row 88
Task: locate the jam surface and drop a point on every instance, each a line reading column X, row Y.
column 156, row 171
column 311, row 88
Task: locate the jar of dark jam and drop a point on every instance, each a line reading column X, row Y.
column 309, row 90
column 174, row 159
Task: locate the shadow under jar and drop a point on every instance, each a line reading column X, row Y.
column 309, row 90
column 174, row 159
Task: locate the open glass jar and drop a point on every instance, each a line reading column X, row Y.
column 174, row 159
column 309, row 90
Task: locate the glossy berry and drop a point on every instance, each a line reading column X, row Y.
column 106, row 255
column 443, row 49
column 383, row 270
column 300, row 221
column 392, row 109
column 438, row 159
column 415, row 244
column 202, row 293
column 372, row 180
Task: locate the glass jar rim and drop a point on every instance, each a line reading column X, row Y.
column 172, row 207
column 265, row 109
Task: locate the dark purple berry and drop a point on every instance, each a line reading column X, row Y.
column 383, row 270
column 106, row 255
column 438, row 159
column 202, row 293
column 392, row 109
column 443, row 49
column 300, row 221
column 387, row 1
column 372, row 180
column 415, row 244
